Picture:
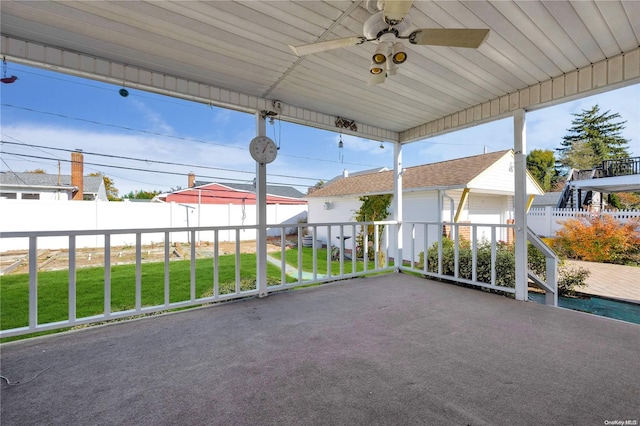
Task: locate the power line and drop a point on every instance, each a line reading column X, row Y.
column 138, row 169
column 121, row 157
column 186, row 139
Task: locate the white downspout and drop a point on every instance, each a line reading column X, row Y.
column 451, row 206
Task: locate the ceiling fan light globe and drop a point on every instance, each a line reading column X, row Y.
column 380, row 55
column 375, row 69
column 398, row 54
column 379, row 58
column 399, row 57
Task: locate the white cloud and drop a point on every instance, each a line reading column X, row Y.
column 361, row 145
column 152, row 119
column 134, row 176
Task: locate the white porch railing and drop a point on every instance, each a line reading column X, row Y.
column 430, row 257
column 339, row 265
column 346, row 252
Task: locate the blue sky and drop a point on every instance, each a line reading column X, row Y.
column 55, row 110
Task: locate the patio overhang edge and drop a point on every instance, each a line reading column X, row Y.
column 108, row 71
column 609, row 74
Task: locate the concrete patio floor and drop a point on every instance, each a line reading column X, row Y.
column 389, row 350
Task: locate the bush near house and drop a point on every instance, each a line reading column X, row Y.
column 599, row 238
column 568, row 278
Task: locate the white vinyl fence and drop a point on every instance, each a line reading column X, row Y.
column 546, row 221
column 37, row 215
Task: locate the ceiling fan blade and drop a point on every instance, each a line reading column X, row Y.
column 307, row 49
column 452, row 37
column 376, row 79
column 396, row 10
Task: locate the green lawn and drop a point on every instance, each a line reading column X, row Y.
column 291, row 257
column 53, row 288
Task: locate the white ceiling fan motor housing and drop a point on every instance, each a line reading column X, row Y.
column 375, row 27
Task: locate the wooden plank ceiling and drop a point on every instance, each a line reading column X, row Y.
column 236, row 54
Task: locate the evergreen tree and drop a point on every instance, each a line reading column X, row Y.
column 541, row 164
column 593, row 138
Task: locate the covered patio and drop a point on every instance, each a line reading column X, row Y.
column 381, row 350
column 387, row 349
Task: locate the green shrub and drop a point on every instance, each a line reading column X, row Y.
column 568, row 278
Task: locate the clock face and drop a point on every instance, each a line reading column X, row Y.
column 263, row 149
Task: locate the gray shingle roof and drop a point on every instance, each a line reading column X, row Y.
column 281, row 191
column 91, row 183
column 444, row 174
column 546, row 199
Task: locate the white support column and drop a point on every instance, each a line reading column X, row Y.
column 520, row 202
column 397, row 201
column 261, row 219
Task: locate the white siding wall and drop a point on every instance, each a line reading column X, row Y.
column 421, row 206
column 338, row 210
column 491, row 209
column 499, row 177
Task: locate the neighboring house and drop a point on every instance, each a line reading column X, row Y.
column 41, row 186
column 478, row 189
column 217, row 193
column 228, row 202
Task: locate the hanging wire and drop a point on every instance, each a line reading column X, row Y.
column 243, row 215
column 276, row 137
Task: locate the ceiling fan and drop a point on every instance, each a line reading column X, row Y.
column 389, row 24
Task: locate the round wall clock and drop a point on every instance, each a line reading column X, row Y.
column 263, row 149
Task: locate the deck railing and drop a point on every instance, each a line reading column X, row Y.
column 335, row 251
column 341, row 262
column 476, row 259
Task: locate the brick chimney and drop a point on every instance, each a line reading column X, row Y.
column 192, row 180
column 77, row 173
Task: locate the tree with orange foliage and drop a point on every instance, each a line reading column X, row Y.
column 600, row 238
column 629, row 200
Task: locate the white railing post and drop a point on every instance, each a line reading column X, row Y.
column 493, row 255
column 167, row 254
column 192, row 274
column 237, row 270
column 33, row 282
column 72, row 279
column 216, row 263
column 107, row 274
column 551, row 298
column 138, row 271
